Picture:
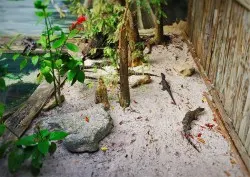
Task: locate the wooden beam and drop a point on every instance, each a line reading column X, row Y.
column 245, row 3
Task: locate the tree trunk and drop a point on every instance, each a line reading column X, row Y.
column 158, row 21
column 124, row 97
column 135, row 53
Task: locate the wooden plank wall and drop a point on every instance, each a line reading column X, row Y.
column 220, row 33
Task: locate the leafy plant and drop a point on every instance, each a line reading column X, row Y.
column 35, row 147
column 103, row 20
column 55, row 63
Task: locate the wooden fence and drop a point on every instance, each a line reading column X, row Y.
column 220, row 33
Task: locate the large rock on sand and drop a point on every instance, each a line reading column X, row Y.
column 86, row 128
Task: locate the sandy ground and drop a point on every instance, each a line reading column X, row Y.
column 146, row 140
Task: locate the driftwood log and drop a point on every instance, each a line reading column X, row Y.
column 20, row 120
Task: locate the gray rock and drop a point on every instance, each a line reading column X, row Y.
column 83, row 136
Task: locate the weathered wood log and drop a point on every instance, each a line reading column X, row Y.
column 19, row 121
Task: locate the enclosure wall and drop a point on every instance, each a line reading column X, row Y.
column 220, row 33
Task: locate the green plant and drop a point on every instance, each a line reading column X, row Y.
column 103, row 20
column 54, row 64
column 34, row 147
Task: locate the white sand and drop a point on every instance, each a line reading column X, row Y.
column 146, row 140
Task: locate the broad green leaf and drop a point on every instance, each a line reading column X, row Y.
column 58, row 43
column 44, row 133
column 35, row 59
column 81, row 76
column 39, row 4
column 71, row 74
column 37, row 157
column 48, row 77
column 2, row 84
column 59, row 63
column 15, row 56
column 45, row 70
column 43, row 147
column 57, row 135
column 42, row 41
column 2, row 108
column 2, row 129
column 3, row 148
column 73, row 33
column 47, row 55
column 47, row 63
column 72, row 47
column 23, row 64
column 57, row 28
column 40, row 13
column 27, row 152
column 15, row 160
column 26, row 140
column 52, row 148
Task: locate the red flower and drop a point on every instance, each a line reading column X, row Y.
column 81, row 19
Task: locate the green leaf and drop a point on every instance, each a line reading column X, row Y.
column 27, row 152
column 57, row 28
column 35, row 59
column 44, row 133
column 72, row 47
column 37, row 158
column 2, row 108
column 43, row 42
column 3, row 148
column 73, row 33
column 23, row 64
column 58, row 43
column 15, row 56
column 39, row 4
column 52, row 148
column 45, row 70
column 71, row 74
column 81, row 76
column 43, row 147
column 15, row 160
column 2, row 84
column 48, row 77
column 26, row 141
column 59, row 63
column 2, row 129
column 57, row 135
column 47, row 63
column 47, row 55
column 40, row 13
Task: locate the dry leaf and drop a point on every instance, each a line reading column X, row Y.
column 232, row 161
column 87, row 119
column 104, row 149
column 227, row 173
column 201, row 140
column 204, row 99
